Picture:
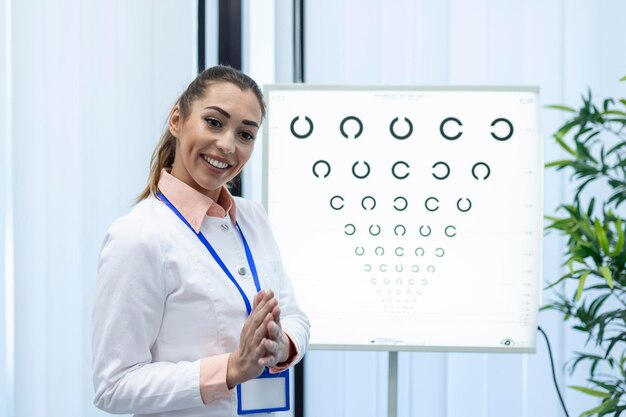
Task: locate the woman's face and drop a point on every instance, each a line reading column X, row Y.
column 217, row 138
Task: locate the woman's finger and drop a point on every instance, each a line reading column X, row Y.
column 262, row 309
column 276, row 312
column 274, row 330
column 261, row 331
column 257, row 298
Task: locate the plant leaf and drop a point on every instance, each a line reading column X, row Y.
column 606, row 273
column 561, row 107
column 559, row 163
column 564, row 277
column 568, row 126
column 564, row 145
column 581, row 284
column 553, row 219
column 623, row 78
column 590, row 391
column 601, row 235
column 602, row 384
column 605, row 405
column 620, row 239
column 619, row 145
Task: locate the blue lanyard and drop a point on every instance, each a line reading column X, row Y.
column 216, row 256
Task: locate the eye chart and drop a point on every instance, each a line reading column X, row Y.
column 409, row 218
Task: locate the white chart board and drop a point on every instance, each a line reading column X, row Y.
column 409, row 218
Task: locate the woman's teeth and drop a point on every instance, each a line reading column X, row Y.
column 215, row 163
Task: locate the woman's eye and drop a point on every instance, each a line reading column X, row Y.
column 213, row 122
column 247, row 136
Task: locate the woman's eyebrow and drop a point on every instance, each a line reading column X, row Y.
column 250, row 122
column 219, row 109
column 227, row 115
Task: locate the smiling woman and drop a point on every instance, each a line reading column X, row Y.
column 217, row 138
column 192, row 300
column 198, row 105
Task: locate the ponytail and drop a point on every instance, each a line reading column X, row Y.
column 163, row 157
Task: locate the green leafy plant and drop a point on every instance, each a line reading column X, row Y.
column 594, row 139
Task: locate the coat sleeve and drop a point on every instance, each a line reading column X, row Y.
column 128, row 308
column 293, row 319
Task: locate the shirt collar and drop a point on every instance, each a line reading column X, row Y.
column 192, row 204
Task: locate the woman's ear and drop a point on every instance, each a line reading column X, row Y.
column 174, row 121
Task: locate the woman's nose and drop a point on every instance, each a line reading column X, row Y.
column 226, row 143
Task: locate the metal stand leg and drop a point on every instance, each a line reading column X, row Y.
column 392, row 388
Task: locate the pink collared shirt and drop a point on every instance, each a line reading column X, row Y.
column 194, row 207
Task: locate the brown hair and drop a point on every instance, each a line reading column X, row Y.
column 165, row 151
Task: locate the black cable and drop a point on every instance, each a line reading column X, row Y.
column 556, row 385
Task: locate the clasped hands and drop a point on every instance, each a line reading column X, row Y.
column 262, row 342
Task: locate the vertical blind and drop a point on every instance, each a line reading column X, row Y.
column 92, row 84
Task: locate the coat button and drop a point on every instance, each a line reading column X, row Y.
column 224, row 226
column 242, row 270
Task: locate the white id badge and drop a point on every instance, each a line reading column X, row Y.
column 264, row 394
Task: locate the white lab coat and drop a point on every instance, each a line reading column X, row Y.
column 162, row 304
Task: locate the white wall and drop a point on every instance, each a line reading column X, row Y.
column 92, row 83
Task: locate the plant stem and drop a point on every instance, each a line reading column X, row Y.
column 615, row 132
